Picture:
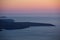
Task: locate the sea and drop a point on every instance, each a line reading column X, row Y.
column 34, row 33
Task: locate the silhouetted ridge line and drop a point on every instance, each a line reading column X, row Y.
column 9, row 24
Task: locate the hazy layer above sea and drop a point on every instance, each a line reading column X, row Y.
column 52, row 20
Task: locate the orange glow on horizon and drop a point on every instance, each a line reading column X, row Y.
column 29, row 4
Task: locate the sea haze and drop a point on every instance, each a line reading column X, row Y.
column 33, row 33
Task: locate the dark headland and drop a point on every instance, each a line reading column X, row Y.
column 10, row 24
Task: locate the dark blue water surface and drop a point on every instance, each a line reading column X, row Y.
column 33, row 33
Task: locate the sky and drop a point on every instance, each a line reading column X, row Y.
column 30, row 7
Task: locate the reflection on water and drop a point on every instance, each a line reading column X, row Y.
column 33, row 33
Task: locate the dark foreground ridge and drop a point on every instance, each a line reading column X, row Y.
column 9, row 24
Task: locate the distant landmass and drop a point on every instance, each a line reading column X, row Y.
column 3, row 17
column 10, row 24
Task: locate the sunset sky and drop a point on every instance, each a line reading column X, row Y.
column 30, row 7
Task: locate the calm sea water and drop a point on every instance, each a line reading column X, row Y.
column 33, row 33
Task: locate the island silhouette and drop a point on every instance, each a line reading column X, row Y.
column 10, row 24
